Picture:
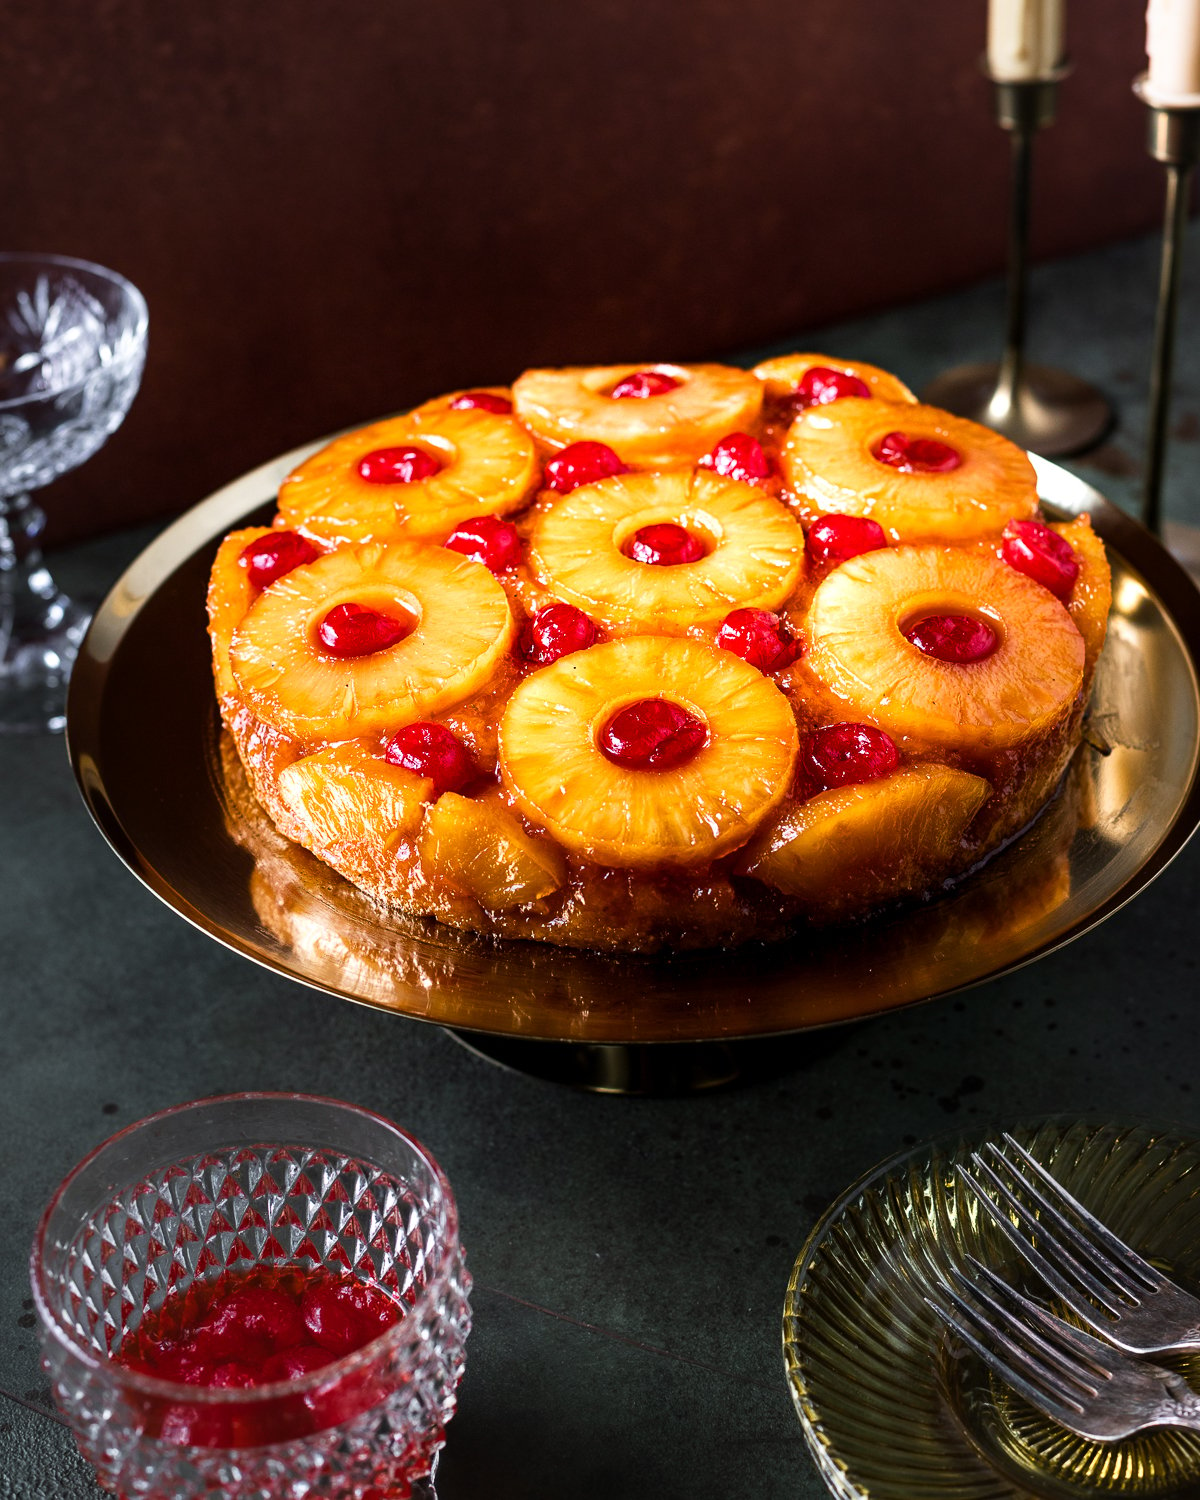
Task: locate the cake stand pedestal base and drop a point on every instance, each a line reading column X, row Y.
column 653, row 1069
column 1051, row 411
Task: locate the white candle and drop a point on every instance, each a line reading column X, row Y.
column 1025, row 38
column 1173, row 45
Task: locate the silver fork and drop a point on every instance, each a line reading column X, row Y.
column 1082, row 1260
column 1078, row 1381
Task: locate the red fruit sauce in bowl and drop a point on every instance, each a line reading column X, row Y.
column 253, row 1289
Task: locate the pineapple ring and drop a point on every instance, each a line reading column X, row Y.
column 756, row 558
column 489, row 467
column 828, row 460
column 1028, row 684
column 784, row 373
column 679, row 426
column 553, row 767
column 464, row 625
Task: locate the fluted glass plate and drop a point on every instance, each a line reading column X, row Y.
column 892, row 1406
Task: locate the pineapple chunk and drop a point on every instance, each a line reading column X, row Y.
column 677, row 427
column 480, row 847
column 829, row 462
column 488, row 467
column 873, row 841
column 784, row 373
column 347, row 793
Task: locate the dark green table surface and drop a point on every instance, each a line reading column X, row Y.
column 630, row 1256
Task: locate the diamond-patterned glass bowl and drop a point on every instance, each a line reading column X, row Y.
column 230, row 1185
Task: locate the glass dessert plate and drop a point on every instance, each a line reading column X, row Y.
column 145, row 742
column 892, row 1406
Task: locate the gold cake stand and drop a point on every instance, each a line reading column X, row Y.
column 146, row 746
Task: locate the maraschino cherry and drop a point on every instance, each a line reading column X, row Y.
column 558, row 630
column 652, row 734
column 665, row 545
column 1041, row 554
column 760, row 638
column 953, row 638
column 643, row 384
column 490, row 540
column 820, row 385
column 738, row 456
column 434, row 751
column 581, row 463
column 401, row 465
column 916, row 455
column 482, row 401
column 271, row 556
column 845, row 754
column 835, row 539
column 355, row 630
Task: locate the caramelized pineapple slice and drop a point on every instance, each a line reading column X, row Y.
column 552, row 763
column 1028, row 683
column 230, row 595
column 349, row 795
column 470, row 463
column 783, row 374
column 755, row 556
column 962, row 481
column 478, row 846
column 856, row 845
column 461, row 628
column 705, row 404
column 1091, row 598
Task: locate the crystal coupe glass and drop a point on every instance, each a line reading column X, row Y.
column 243, row 1184
column 72, row 347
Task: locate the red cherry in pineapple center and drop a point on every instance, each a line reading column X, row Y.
column 846, row 754
column 652, row 734
column 271, row 556
column 355, row 630
column 916, row 455
column 643, row 384
column 665, row 545
column 556, row 631
column 821, row 385
column 402, row 465
column 955, row 638
column 432, row 750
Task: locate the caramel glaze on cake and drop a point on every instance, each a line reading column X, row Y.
column 766, row 817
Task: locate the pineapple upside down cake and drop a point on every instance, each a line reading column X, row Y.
column 645, row 656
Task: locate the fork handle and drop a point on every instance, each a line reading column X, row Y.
column 1179, row 1406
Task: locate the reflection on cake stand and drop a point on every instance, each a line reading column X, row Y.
column 622, row 1023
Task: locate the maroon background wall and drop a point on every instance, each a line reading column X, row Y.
column 336, row 209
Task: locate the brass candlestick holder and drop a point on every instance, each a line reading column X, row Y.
column 1173, row 138
column 1045, row 409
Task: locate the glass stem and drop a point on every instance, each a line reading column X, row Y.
column 1174, row 227
column 27, row 587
